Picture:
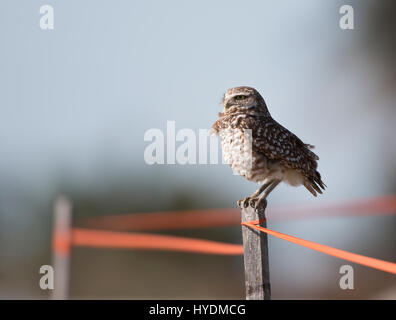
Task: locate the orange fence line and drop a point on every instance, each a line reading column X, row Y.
column 229, row 217
column 121, row 240
column 166, row 220
column 352, row 257
column 111, row 239
column 219, row 217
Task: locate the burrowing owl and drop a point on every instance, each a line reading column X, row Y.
column 271, row 155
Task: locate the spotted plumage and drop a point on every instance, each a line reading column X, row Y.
column 260, row 149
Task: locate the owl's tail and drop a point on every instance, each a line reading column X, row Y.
column 315, row 184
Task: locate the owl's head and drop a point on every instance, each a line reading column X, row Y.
column 242, row 99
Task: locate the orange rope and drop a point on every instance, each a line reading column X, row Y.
column 166, row 220
column 229, row 217
column 110, row 239
column 194, row 219
column 353, row 257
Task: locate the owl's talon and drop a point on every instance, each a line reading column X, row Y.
column 253, row 202
column 243, row 203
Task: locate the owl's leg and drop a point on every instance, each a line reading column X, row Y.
column 243, row 203
column 261, row 189
column 267, row 191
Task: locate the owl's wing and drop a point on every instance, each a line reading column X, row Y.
column 278, row 143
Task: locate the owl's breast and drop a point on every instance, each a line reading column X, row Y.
column 238, row 153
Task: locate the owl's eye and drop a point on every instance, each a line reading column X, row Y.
column 240, row 97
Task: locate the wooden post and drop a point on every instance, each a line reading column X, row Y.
column 61, row 247
column 255, row 245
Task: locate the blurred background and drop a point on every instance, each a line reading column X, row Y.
column 76, row 102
